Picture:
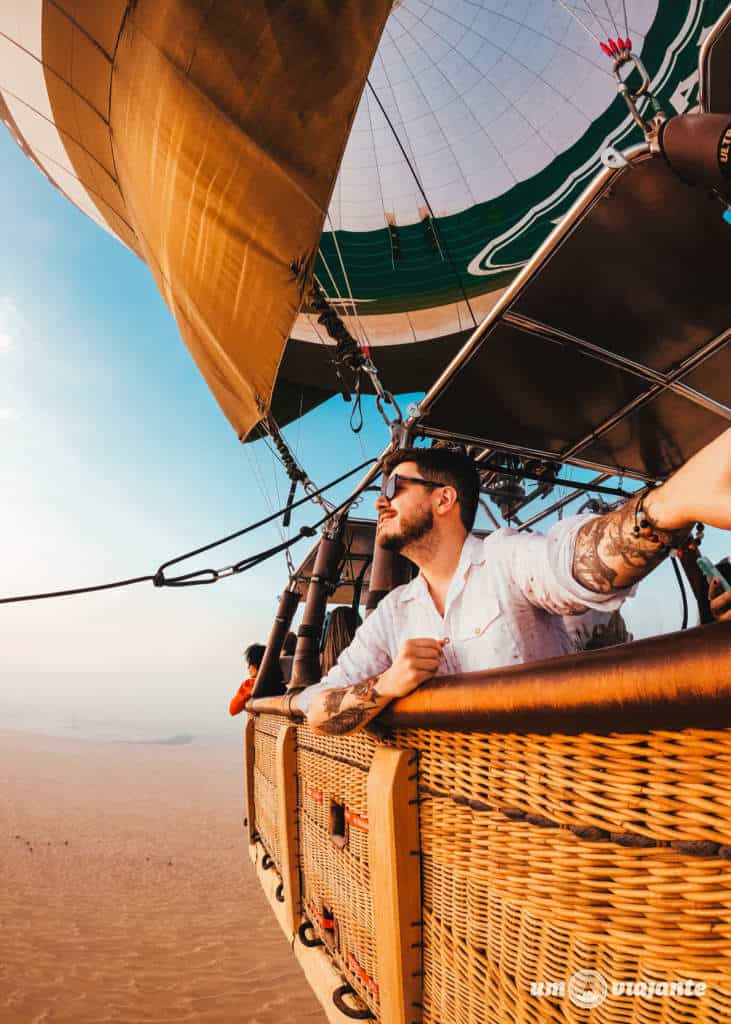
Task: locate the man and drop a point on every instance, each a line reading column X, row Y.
column 484, row 604
column 253, row 655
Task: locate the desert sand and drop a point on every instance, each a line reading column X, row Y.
column 126, row 892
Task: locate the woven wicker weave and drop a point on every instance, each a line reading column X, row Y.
column 542, row 855
column 545, row 855
column 265, row 786
column 337, row 877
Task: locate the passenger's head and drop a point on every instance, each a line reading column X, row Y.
column 289, row 645
column 341, row 629
column 429, row 487
column 253, row 656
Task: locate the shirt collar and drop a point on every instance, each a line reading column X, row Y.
column 473, row 553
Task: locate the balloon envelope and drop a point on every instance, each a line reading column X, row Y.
column 210, row 138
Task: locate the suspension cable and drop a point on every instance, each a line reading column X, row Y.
column 419, row 185
column 572, row 14
column 349, row 354
column 356, row 315
column 212, row 575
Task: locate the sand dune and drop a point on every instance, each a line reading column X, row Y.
column 126, row 892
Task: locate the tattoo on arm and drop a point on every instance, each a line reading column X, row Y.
column 334, row 698
column 609, row 555
column 362, row 700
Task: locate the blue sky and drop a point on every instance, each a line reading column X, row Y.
column 115, row 457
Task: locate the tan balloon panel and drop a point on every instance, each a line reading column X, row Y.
column 165, row 108
column 78, row 53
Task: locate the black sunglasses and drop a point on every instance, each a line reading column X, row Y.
column 390, row 486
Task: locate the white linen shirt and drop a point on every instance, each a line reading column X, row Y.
column 503, row 607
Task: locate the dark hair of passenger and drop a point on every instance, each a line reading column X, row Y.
column 254, row 654
column 451, row 467
column 341, row 628
column 289, row 645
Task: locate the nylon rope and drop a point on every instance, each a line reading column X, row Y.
column 189, row 579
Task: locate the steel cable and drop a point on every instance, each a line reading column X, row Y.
column 212, row 575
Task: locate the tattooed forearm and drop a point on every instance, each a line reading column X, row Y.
column 609, row 554
column 366, row 691
column 333, row 699
column 350, row 707
column 344, row 722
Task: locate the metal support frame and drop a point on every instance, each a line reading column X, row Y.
column 561, row 503
column 529, row 453
column 665, row 381
column 593, row 194
column 503, row 312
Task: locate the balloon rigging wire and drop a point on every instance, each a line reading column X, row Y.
column 313, row 320
column 611, row 17
column 419, row 185
column 259, row 478
column 213, row 575
column 335, row 285
column 364, row 338
column 572, row 13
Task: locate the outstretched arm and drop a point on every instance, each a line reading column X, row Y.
column 611, row 554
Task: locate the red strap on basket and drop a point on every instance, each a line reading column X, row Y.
column 369, row 983
column 315, row 794
column 356, row 820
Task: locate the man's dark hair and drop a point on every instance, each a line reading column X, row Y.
column 254, row 654
column 449, row 466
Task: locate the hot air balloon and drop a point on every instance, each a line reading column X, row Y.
column 415, row 158
column 522, row 210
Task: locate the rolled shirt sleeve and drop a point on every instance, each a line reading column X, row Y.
column 542, row 568
column 367, row 655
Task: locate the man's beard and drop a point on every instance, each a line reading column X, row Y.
column 411, row 531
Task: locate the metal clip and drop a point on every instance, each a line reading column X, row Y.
column 612, row 158
column 631, row 96
column 631, row 58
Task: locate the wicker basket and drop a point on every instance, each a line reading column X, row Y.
column 336, row 879
column 539, row 862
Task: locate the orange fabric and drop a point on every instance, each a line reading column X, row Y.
column 241, row 696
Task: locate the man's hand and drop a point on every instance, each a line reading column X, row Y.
column 345, row 709
column 720, row 601
column 417, row 661
column 609, row 555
